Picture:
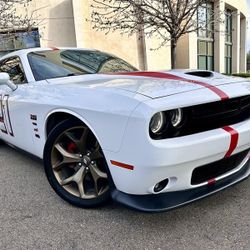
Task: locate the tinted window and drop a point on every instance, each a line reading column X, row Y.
column 13, row 67
column 62, row 63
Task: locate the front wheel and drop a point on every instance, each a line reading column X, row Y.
column 75, row 165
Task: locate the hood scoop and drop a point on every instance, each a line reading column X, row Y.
column 200, row 73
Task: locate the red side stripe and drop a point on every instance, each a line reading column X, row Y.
column 234, row 140
column 211, row 182
column 162, row 75
column 122, row 165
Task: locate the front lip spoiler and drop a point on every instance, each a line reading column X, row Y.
column 170, row 200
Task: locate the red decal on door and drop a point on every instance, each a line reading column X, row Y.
column 5, row 115
column 234, row 140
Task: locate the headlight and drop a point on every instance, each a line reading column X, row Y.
column 167, row 124
column 157, row 123
column 176, row 117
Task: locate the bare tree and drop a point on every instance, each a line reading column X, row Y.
column 166, row 19
column 10, row 20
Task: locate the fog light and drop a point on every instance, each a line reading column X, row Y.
column 160, row 185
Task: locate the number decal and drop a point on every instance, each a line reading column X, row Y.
column 5, row 123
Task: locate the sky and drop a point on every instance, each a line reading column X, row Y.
column 248, row 30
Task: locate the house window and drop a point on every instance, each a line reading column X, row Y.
column 205, row 37
column 228, row 42
column 11, row 41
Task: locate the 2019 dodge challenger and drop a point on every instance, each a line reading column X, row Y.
column 150, row 140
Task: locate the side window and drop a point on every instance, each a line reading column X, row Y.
column 14, row 68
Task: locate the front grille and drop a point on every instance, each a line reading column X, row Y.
column 208, row 116
column 215, row 169
column 217, row 114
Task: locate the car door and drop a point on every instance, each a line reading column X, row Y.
column 15, row 125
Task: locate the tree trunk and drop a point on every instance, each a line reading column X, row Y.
column 142, row 51
column 173, row 53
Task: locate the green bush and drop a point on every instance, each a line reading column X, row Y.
column 245, row 75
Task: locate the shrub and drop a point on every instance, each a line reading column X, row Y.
column 245, row 75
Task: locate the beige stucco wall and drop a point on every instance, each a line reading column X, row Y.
column 63, row 23
column 243, row 44
column 55, row 21
column 158, row 58
column 186, row 52
column 219, row 39
column 240, row 5
column 182, row 56
column 122, row 46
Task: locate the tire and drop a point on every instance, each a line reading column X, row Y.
column 75, row 165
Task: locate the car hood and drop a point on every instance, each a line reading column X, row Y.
column 150, row 84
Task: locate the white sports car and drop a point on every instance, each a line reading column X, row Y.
column 150, row 140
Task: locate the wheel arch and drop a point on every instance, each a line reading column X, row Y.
column 64, row 114
column 59, row 115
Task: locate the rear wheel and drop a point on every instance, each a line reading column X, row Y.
column 75, row 165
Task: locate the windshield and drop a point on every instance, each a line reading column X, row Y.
column 61, row 63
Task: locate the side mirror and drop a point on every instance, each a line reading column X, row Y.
column 5, row 80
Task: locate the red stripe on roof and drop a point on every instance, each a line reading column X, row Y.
column 217, row 91
column 234, row 140
column 54, row 48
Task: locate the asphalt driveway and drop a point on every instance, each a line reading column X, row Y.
column 33, row 217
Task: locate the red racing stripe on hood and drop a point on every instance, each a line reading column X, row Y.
column 217, row 91
column 234, row 140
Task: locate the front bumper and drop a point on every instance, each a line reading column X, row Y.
column 166, row 201
column 174, row 159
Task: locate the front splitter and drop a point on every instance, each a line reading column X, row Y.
column 170, row 200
